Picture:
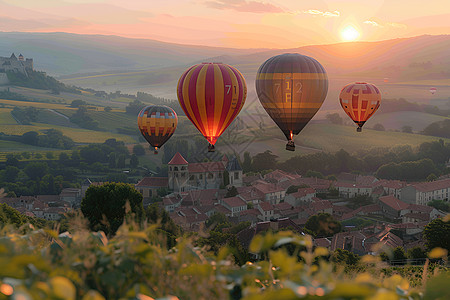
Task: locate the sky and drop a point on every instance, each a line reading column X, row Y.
column 232, row 23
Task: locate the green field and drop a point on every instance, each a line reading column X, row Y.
column 396, row 120
column 7, row 147
column 6, row 118
column 322, row 137
column 77, row 134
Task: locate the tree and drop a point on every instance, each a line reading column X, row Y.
column 10, row 174
column 36, row 170
column 440, row 204
column 399, row 255
column 294, row 188
column 341, row 256
column 407, row 129
column 232, row 192
column 104, row 206
column 314, row 174
column 247, row 163
column 416, row 253
column 437, row 234
column 112, row 160
column 322, row 225
column 157, row 215
column 264, row 161
column 139, row 150
column 121, row 161
column 107, row 109
column 134, row 161
column 378, row 127
column 335, row 118
column 431, row 177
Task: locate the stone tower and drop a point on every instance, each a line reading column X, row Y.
column 178, row 173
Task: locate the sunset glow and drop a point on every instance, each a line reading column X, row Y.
column 237, row 24
column 350, row 33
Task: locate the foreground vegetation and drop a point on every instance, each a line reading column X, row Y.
column 137, row 264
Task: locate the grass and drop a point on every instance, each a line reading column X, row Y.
column 323, row 137
column 8, row 147
column 6, row 118
column 77, row 134
column 396, row 120
column 11, row 103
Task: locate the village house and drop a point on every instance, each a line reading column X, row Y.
column 235, row 204
column 350, row 190
column 272, row 192
column 424, row 192
column 392, row 207
column 266, row 210
column 149, row 186
column 301, row 197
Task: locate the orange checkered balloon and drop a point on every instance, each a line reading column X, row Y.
column 360, row 100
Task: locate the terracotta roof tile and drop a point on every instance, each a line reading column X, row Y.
column 432, row 185
column 393, row 202
column 234, row 202
column 178, row 159
column 153, row 182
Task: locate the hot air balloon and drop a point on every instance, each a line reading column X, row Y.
column 291, row 88
column 433, row 90
column 360, row 100
column 211, row 95
column 157, row 123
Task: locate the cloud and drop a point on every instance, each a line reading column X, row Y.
column 373, row 23
column 244, row 6
column 322, row 13
column 386, row 24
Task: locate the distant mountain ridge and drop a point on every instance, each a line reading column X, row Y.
column 418, row 57
column 66, row 53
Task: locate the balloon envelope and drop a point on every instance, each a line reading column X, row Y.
column 433, row 90
column 291, row 87
column 211, row 95
column 157, row 124
column 360, row 100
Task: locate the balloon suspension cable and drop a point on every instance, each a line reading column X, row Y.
column 211, row 148
column 359, row 129
column 155, row 151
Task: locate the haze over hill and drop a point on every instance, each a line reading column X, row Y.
column 64, row 54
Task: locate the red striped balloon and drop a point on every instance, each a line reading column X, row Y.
column 211, row 95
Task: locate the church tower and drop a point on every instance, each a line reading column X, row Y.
column 178, row 173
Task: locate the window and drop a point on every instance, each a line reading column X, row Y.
column 200, row 176
column 175, row 168
column 192, row 177
column 236, row 175
column 210, row 175
column 183, row 168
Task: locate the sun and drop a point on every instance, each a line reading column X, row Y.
column 349, row 33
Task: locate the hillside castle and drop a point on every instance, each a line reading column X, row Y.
column 14, row 64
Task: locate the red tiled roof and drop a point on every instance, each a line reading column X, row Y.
column 153, row 182
column 268, row 188
column 421, row 208
column 322, row 242
column 320, row 205
column 266, row 206
column 215, row 166
column 283, row 206
column 178, row 159
column 393, row 202
column 417, row 216
column 202, row 197
column 303, row 192
column 433, row 185
column 253, row 211
column 234, row 202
